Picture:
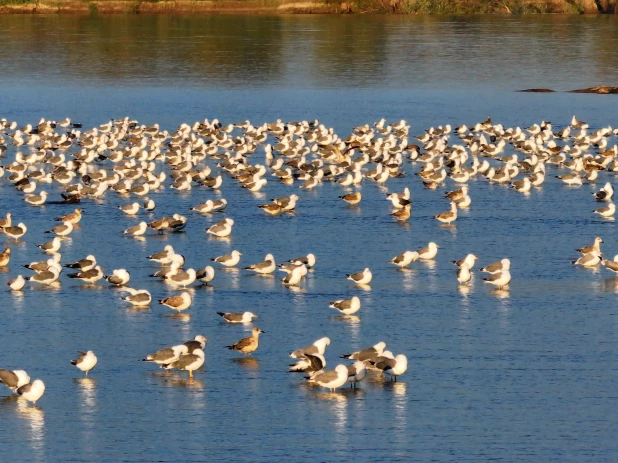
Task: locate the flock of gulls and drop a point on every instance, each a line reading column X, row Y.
column 64, row 163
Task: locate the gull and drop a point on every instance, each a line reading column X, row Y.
column 405, row 258
column 308, row 260
column 171, row 270
column 181, row 278
column 356, row 373
column 361, row 278
column 138, row 298
column 604, row 194
column 205, row 275
column 198, row 342
column 119, row 277
column 272, row 209
column 523, row 185
column 149, row 205
column 368, row 353
column 504, row 264
column 219, row 205
column 318, row 347
column 14, row 379
column 570, row 179
column 311, row 364
column 7, row 221
column 607, row 211
column 5, row 257
column 32, row 392
column 352, row 198
column 189, row 362
column 41, row 266
column 246, row 317
column 248, row 345
column 178, row 303
column 62, row 230
column 163, row 257
column 588, row 260
column 204, row 207
column 463, row 273
column 86, row 361
column 160, row 225
column 500, row 279
column 294, row 276
column 46, row 278
column 429, row 252
column 90, row 276
column 52, row 246
column 136, row 230
column 331, row 379
column 470, row 259
column 130, row 209
column 265, row 267
column 596, row 246
column 73, row 217
column 399, row 200
column 222, row 228
column 228, row 260
column 457, row 195
column 287, row 203
column 347, row 306
column 448, row 217
column 17, row 283
column 167, row 355
column 402, row 214
column 15, row 232
column 84, row 264
column 37, row 200
column 393, row 367
column 611, row 264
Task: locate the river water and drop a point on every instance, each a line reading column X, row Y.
column 524, row 375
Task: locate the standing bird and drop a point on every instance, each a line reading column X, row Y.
column 607, row 211
column 470, row 259
column 15, row 232
column 405, row 258
column 393, row 367
column 265, row 267
column 86, row 361
column 248, row 345
column 222, row 228
column 14, row 379
column 361, row 278
column 73, row 217
column 429, row 252
column 402, row 214
column 5, row 257
column 167, row 355
column 352, row 198
column 246, row 317
column 178, row 303
column 311, row 364
column 448, row 217
column 331, row 379
column 32, row 392
column 189, row 362
column 356, row 373
column 17, row 283
column 604, row 194
column 463, row 273
column 205, row 275
column 347, row 306
column 119, row 277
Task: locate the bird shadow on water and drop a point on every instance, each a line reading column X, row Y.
column 173, row 379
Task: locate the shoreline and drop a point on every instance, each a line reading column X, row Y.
column 282, row 7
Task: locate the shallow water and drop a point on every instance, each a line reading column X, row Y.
column 523, row 375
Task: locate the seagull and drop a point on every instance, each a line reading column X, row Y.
column 604, row 194
column 588, row 260
column 199, row 342
column 84, row 264
column 399, row 200
column 611, row 264
column 347, row 306
column 248, row 345
column 500, row 278
column 356, row 373
column 130, row 209
column 393, row 367
column 352, row 198
column 62, row 230
column 265, row 267
column 46, row 278
column 368, row 353
column 119, row 277
column 448, row 217
column 178, row 303
column 52, row 246
column 311, row 364
column 90, row 276
column 205, row 275
column 429, row 252
column 318, row 347
column 136, row 230
column 222, row 228
column 17, row 283
column 138, row 297
column 504, row 264
column 37, row 200
column 86, row 361
column 167, row 355
column 463, row 273
column 405, row 258
column 32, row 392
column 294, row 275
column 245, row 317
column 607, row 211
column 308, row 261
column 596, row 246
column 470, row 259
column 189, row 362
column 181, row 278
column 14, row 379
column 402, row 214
column 331, row 379
column 15, row 232
column 228, row 260
column 163, row 257
column 272, row 209
column 361, row 278
column 5, row 257
column 287, row 203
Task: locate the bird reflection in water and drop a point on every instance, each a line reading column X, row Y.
column 610, row 285
column 503, row 293
column 248, row 363
column 364, row 287
column 55, row 286
column 35, row 417
column 87, row 389
column 171, row 378
column 408, row 278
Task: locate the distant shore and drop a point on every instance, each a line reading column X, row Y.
column 310, row 7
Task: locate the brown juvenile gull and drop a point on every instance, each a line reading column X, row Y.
column 73, row 217
column 596, row 246
column 248, row 345
column 5, row 257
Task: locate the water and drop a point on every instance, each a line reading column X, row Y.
column 524, row 375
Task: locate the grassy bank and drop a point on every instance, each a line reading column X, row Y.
column 312, row 6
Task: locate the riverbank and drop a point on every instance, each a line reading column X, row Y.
column 311, row 7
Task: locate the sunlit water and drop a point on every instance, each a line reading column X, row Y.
column 523, row 375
